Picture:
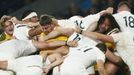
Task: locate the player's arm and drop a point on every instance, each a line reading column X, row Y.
column 95, row 35
column 35, row 31
column 101, row 68
column 16, row 21
column 57, row 60
column 45, row 45
column 113, row 58
column 108, row 10
column 59, row 31
column 99, row 36
column 3, row 65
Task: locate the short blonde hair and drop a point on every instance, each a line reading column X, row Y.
column 4, row 19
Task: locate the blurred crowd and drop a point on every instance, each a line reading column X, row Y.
column 87, row 7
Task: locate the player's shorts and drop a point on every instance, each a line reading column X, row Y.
column 73, row 68
column 2, row 72
column 30, row 71
column 25, row 62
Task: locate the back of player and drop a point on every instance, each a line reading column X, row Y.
column 79, row 21
column 125, row 46
column 81, row 57
column 125, row 20
column 124, row 17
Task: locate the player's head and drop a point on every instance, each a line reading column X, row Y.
column 47, row 23
column 29, row 16
column 102, row 47
column 124, row 6
column 6, row 24
column 106, row 23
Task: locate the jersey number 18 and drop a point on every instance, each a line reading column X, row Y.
column 129, row 21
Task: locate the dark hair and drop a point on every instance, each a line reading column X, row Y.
column 124, row 3
column 102, row 47
column 26, row 13
column 113, row 23
column 45, row 19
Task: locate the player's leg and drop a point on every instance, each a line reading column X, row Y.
column 3, row 72
column 23, row 62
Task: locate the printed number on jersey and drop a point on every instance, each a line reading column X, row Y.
column 129, row 21
column 79, row 23
column 77, row 37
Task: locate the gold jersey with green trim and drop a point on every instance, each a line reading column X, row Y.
column 5, row 36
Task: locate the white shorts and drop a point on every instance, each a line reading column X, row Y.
column 30, row 71
column 2, row 72
column 25, row 62
column 73, row 68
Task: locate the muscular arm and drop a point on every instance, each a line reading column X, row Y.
column 101, row 68
column 59, row 31
column 55, row 59
column 58, row 60
column 113, row 58
column 98, row 36
column 35, row 31
column 45, row 45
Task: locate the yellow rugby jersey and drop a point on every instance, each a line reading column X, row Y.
column 58, row 38
column 5, row 36
column 61, row 38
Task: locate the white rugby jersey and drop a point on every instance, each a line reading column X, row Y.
column 125, row 45
column 21, row 32
column 85, row 52
column 25, row 62
column 125, row 20
column 83, row 23
column 16, row 48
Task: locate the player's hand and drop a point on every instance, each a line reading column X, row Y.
column 14, row 20
column 33, row 24
column 77, row 29
column 46, row 70
column 72, row 43
column 102, row 12
column 109, row 10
